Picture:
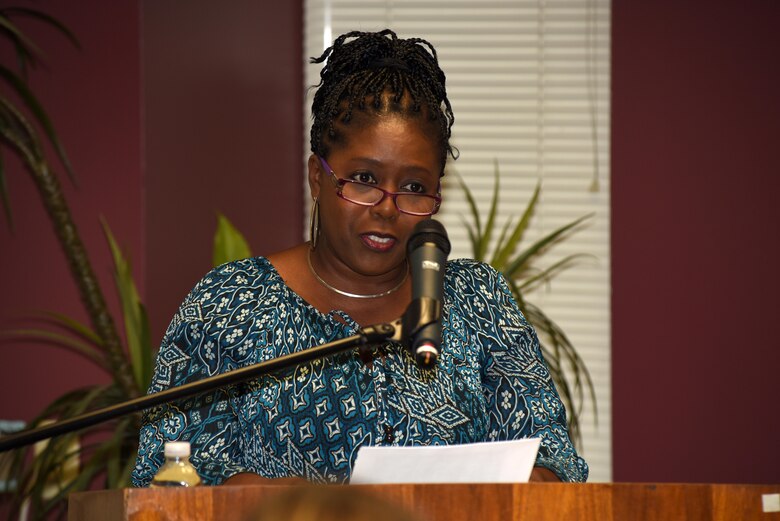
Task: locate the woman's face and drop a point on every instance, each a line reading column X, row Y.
column 396, row 154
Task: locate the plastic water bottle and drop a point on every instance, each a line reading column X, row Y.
column 177, row 471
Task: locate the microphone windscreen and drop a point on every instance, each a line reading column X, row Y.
column 429, row 231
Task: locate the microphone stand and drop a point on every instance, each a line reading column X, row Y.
column 363, row 340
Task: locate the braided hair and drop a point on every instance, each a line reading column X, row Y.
column 382, row 73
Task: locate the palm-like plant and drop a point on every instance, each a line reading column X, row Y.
column 19, row 134
column 108, row 450
column 43, row 479
column 567, row 368
column 24, row 127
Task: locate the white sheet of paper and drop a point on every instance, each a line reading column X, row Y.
column 490, row 462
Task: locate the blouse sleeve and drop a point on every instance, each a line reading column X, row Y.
column 522, row 399
column 208, row 421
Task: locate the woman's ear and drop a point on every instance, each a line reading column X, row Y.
column 315, row 175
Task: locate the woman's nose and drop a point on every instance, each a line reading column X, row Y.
column 386, row 209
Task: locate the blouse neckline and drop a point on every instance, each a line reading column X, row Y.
column 348, row 322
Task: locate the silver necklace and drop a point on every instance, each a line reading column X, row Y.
column 353, row 295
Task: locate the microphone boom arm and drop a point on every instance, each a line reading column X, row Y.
column 363, row 340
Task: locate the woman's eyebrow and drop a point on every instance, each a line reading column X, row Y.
column 376, row 163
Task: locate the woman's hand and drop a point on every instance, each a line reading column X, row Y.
column 249, row 478
column 541, row 474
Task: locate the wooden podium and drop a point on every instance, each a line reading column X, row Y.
column 504, row 502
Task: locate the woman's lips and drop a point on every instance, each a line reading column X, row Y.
column 381, row 243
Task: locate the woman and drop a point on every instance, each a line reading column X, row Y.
column 379, row 141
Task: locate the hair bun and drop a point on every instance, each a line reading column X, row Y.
column 363, row 66
column 390, row 63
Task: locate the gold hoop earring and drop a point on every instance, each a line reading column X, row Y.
column 314, row 223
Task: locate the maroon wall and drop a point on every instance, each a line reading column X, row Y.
column 223, row 86
column 696, row 177
column 93, row 98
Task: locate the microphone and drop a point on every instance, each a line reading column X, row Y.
column 427, row 252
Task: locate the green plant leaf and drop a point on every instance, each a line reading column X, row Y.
column 32, row 103
column 83, row 338
column 135, row 318
column 115, row 462
column 531, row 283
column 25, row 48
column 485, row 239
column 19, row 133
column 521, row 260
column 78, row 403
column 23, row 57
column 57, row 451
column 60, row 340
column 97, row 459
column 74, row 326
column 229, row 243
column 53, row 409
column 472, row 236
column 500, row 244
column 476, row 237
column 503, row 253
column 23, row 54
column 43, row 17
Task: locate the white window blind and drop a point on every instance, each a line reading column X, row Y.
column 529, row 85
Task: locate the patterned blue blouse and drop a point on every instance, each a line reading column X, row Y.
column 491, row 382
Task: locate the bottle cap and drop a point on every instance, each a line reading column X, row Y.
column 177, row 449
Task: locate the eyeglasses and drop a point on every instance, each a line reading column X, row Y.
column 366, row 194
